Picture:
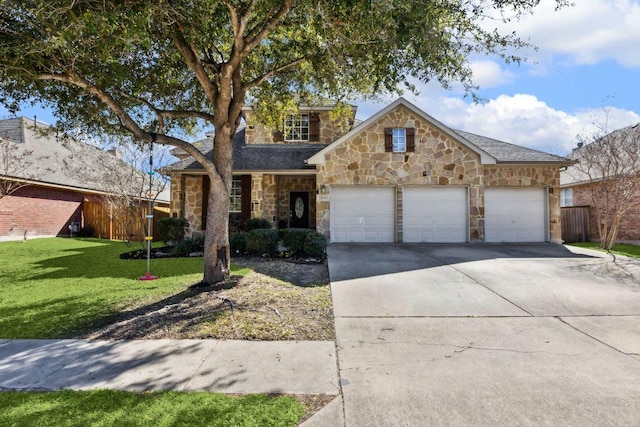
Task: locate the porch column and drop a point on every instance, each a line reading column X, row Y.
column 257, row 194
column 270, row 199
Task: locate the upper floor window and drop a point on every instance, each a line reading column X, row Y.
column 399, row 140
column 566, row 197
column 296, row 127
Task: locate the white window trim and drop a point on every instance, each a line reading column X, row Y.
column 399, row 136
column 235, row 197
column 566, row 197
column 290, row 125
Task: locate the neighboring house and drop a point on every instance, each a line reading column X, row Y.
column 399, row 176
column 63, row 188
column 578, row 189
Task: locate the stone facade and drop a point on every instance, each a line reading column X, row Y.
column 438, row 160
column 258, row 134
column 186, row 200
column 296, row 183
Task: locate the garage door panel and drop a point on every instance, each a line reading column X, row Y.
column 435, row 215
column 362, row 214
column 515, row 215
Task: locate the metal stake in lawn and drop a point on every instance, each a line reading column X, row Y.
column 150, row 195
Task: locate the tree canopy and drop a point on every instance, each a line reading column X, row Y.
column 153, row 69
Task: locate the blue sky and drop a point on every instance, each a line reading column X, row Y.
column 586, row 70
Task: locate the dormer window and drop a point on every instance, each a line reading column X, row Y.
column 296, row 127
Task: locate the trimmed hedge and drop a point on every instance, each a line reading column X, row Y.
column 186, row 246
column 238, row 242
column 294, row 238
column 315, row 245
column 255, row 224
column 262, row 241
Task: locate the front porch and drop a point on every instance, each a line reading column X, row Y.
column 286, row 201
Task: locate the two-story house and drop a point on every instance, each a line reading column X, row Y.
column 399, row 176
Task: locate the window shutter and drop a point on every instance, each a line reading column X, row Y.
column 388, row 140
column 411, row 140
column 314, row 127
column 278, row 136
column 206, row 185
column 245, row 197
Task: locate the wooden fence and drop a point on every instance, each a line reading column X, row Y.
column 105, row 225
column 575, row 224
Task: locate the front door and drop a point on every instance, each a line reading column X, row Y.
column 299, row 209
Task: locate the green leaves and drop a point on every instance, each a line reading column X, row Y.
column 331, row 48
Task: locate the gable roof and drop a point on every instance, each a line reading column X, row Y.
column 505, row 152
column 255, row 157
column 67, row 163
column 572, row 176
column 319, row 158
column 491, row 151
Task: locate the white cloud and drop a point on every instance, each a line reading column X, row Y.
column 588, row 32
column 488, row 74
column 521, row 119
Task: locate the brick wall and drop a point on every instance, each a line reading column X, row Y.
column 629, row 225
column 40, row 211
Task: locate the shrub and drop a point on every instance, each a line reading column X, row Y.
column 315, row 245
column 293, row 239
column 262, row 241
column 255, row 223
column 238, row 242
column 171, row 230
column 186, row 246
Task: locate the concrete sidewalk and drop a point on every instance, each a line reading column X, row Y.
column 306, row 367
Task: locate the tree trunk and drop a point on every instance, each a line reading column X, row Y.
column 216, row 249
column 217, row 254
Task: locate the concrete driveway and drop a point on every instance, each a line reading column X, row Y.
column 486, row 335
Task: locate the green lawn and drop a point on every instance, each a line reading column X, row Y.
column 60, row 287
column 620, row 249
column 118, row 408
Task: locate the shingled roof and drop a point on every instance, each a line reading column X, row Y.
column 59, row 162
column 255, row 157
column 505, row 152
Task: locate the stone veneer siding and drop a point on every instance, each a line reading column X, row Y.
column 269, row 195
column 191, row 196
column 297, row 183
column 437, row 160
column 258, row 134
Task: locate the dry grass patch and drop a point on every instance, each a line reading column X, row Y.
column 270, row 300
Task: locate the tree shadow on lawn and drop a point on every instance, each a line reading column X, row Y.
column 101, row 262
column 57, row 318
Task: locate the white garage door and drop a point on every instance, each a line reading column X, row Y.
column 362, row 214
column 435, row 215
column 515, row 215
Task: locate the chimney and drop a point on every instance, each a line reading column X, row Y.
column 116, row 153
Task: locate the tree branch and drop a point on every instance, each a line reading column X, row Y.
column 128, row 123
column 259, row 80
column 255, row 36
column 192, row 59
